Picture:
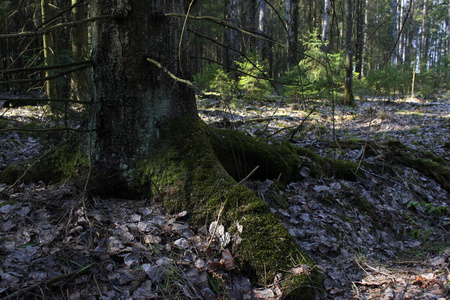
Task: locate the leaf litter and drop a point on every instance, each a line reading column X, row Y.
column 383, row 237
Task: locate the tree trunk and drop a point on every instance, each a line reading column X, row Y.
column 231, row 35
column 348, row 96
column 395, row 29
column 326, row 20
column 48, row 49
column 359, row 45
column 149, row 141
column 292, row 32
column 80, row 82
column 262, row 28
column 135, row 99
column 424, row 40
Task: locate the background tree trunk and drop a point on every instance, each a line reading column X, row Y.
column 395, row 29
column 231, row 35
column 292, row 32
column 359, row 45
column 348, row 96
column 49, row 49
column 424, row 40
column 80, row 82
column 135, row 99
column 326, row 20
column 262, row 28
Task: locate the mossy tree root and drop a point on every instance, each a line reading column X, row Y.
column 188, row 173
column 429, row 165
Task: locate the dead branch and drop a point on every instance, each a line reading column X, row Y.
column 173, row 76
column 44, row 68
column 47, row 30
column 47, row 77
column 301, row 124
column 226, row 24
column 48, row 282
column 45, row 129
column 45, row 100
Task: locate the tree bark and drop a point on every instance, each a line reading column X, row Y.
column 359, row 45
column 231, row 35
column 134, row 98
column 262, row 28
column 326, row 20
column 48, row 50
column 292, row 32
column 395, row 29
column 348, row 95
column 80, row 82
column 424, row 40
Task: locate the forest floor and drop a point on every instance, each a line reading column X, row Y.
column 383, row 236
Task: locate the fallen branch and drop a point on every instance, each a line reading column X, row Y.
column 44, row 100
column 47, row 282
column 46, row 129
column 301, row 124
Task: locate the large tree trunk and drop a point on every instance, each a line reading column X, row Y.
column 135, row 99
column 149, row 141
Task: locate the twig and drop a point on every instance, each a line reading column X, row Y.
column 227, row 24
column 62, row 25
column 47, row 282
column 44, row 100
column 248, row 176
column 280, row 130
column 299, row 126
column 43, row 68
column 24, row 173
column 47, row 77
column 45, row 129
column 173, row 76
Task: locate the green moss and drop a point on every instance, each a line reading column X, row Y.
column 326, row 199
column 10, row 202
column 186, row 175
column 423, row 162
column 325, row 166
column 62, row 163
column 364, row 206
column 240, row 154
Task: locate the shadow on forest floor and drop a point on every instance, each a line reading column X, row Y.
column 381, row 237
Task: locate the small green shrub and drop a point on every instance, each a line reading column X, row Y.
column 253, row 82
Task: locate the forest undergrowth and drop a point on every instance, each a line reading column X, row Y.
column 383, row 236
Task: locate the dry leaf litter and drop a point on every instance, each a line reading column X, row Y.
column 55, row 244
